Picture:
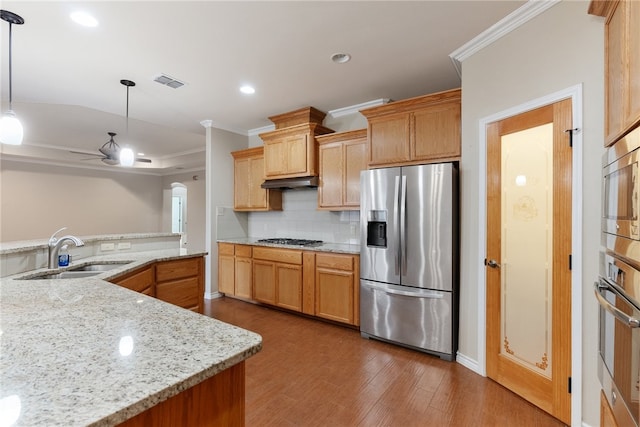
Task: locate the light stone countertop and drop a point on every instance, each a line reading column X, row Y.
column 344, row 248
column 79, row 352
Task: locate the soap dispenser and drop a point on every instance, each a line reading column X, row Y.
column 64, row 257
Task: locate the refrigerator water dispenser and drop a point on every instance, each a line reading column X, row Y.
column 377, row 229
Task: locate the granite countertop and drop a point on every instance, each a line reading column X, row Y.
column 344, row 248
column 78, row 352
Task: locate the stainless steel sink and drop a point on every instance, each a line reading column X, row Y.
column 99, row 267
column 63, row 275
column 79, row 272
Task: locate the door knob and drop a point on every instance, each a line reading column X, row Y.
column 491, row 263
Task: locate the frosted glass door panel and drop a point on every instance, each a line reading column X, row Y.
column 527, row 251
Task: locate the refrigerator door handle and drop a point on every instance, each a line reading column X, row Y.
column 403, row 225
column 396, row 225
column 392, row 290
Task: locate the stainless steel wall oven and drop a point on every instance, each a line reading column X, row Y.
column 618, row 287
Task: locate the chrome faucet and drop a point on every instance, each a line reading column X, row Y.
column 55, row 244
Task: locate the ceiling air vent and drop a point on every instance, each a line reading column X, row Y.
column 168, row 81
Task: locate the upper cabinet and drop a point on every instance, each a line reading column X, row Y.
column 290, row 150
column 248, row 175
column 622, row 65
column 342, row 158
column 416, row 130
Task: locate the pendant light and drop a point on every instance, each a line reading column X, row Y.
column 10, row 127
column 126, row 154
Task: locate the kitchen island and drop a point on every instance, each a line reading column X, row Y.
column 80, row 352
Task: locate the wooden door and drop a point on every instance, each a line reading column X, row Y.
column 614, row 74
column 436, row 132
column 275, row 158
column 528, row 256
column 354, row 163
column 389, row 139
column 297, row 154
column 241, row 187
column 331, row 172
column 243, row 272
column 264, row 281
column 633, row 49
column 257, row 194
column 289, row 286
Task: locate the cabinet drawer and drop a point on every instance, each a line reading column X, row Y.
column 177, row 269
column 243, row 251
column 225, row 248
column 139, row 281
column 183, row 293
column 278, row 255
column 336, row 262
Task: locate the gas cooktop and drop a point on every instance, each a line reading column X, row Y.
column 291, row 242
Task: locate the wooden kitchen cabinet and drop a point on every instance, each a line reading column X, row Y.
column 342, row 158
column 277, row 277
column 243, row 272
column 141, row 280
column 337, row 286
column 248, row 175
column 622, row 65
column 226, row 268
column 291, row 150
column 414, row 131
column 181, row 282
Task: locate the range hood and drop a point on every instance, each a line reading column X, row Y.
column 291, row 183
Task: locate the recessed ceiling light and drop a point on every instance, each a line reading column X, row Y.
column 340, row 58
column 84, row 19
column 247, row 90
column 140, row 154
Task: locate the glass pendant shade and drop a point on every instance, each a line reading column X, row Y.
column 10, row 129
column 126, row 157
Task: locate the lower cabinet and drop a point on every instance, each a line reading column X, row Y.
column 235, row 272
column 277, row 277
column 337, row 288
column 179, row 282
column 320, row 284
column 141, row 280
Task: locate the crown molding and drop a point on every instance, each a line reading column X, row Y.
column 344, row 111
column 515, row 19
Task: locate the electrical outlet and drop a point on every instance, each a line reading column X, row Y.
column 107, row 246
column 354, row 231
column 220, row 210
column 124, row 245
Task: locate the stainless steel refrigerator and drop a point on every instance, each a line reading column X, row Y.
column 409, row 257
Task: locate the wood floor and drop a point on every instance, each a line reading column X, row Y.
column 311, row 373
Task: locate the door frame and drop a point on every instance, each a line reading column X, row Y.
column 575, row 94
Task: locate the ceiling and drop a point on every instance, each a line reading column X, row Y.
column 66, row 78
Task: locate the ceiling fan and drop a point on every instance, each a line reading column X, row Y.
column 110, row 152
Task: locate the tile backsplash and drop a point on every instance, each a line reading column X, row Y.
column 301, row 219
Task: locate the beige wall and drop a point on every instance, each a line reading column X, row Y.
column 554, row 51
column 196, row 186
column 38, row 199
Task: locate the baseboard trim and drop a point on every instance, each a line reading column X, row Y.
column 468, row 363
column 213, row 295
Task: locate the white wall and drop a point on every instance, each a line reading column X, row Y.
column 560, row 48
column 38, row 199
